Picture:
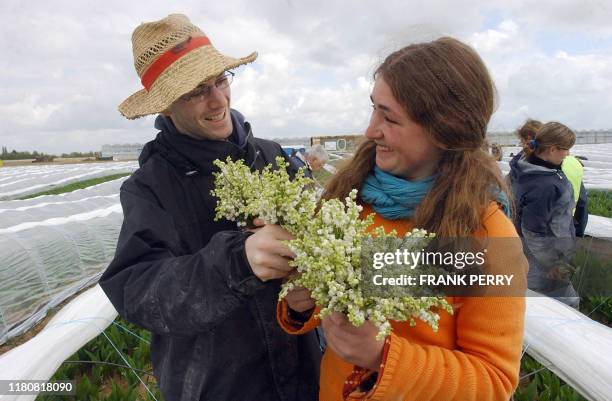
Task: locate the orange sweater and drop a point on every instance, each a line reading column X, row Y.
column 475, row 355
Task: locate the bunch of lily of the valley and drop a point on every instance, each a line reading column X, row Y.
column 328, row 238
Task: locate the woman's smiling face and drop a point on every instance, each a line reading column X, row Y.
column 403, row 148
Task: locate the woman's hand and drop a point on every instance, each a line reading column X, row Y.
column 356, row 345
column 299, row 299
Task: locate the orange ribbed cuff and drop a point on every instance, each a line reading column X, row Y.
column 291, row 326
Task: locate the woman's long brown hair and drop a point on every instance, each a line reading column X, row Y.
column 445, row 87
column 528, row 130
column 550, row 134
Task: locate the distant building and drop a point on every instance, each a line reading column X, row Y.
column 338, row 143
column 509, row 138
column 594, row 136
column 297, row 142
column 127, row 151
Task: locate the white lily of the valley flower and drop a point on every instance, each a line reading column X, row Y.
column 327, row 242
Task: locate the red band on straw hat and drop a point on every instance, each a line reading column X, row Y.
column 169, row 57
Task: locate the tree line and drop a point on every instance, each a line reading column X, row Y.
column 19, row 155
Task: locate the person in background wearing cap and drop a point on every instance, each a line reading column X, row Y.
column 205, row 289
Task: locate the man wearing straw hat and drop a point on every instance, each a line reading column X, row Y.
column 206, row 290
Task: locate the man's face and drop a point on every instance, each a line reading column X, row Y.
column 204, row 113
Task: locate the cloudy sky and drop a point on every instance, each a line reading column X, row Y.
column 66, row 65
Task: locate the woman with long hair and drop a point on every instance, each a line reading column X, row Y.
column 544, row 218
column 424, row 164
column 572, row 167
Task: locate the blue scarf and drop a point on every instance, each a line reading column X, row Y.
column 393, row 197
column 502, row 199
column 397, row 198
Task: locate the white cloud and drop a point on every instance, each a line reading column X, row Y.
column 496, row 39
column 591, row 17
column 28, row 112
column 571, row 89
column 67, row 65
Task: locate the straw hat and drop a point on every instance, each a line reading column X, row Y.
column 172, row 57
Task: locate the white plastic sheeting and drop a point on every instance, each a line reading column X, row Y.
column 49, row 206
column 599, row 227
column 574, row 347
column 81, row 320
column 51, row 247
column 23, row 180
column 597, row 169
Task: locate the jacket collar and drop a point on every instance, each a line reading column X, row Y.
column 193, row 156
column 533, row 159
column 522, row 168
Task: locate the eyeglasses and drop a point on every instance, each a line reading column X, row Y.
column 203, row 91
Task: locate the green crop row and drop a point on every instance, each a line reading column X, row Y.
column 541, row 384
column 600, row 203
column 112, row 367
column 76, row 185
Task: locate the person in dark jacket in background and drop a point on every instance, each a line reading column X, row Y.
column 313, row 159
column 573, row 169
column 544, row 202
column 205, row 289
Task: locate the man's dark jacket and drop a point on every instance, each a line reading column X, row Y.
column 185, row 277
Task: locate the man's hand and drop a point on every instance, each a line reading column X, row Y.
column 356, row 345
column 268, row 256
column 299, row 299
